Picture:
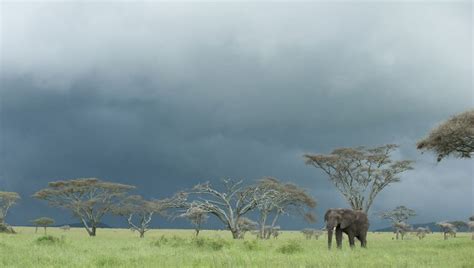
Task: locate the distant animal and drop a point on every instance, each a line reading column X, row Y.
column 270, row 231
column 447, row 229
column 354, row 223
column 65, row 227
column 422, row 231
column 310, row 233
column 401, row 228
column 470, row 225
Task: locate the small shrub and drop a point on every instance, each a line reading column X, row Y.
column 176, row 241
column 49, row 240
column 106, row 261
column 251, row 245
column 290, row 247
column 217, row 244
column 213, row 244
column 160, row 242
column 200, row 242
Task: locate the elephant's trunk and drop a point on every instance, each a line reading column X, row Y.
column 330, row 231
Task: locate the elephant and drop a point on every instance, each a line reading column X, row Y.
column 354, row 223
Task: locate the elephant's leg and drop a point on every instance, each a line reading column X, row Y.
column 339, row 237
column 351, row 239
column 363, row 239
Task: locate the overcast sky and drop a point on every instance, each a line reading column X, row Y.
column 164, row 96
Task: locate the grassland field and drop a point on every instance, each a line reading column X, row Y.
column 179, row 248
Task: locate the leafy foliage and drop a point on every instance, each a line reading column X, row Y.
column 7, row 199
column 360, row 173
column 453, row 137
column 89, row 199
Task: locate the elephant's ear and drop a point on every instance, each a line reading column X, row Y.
column 326, row 216
column 347, row 219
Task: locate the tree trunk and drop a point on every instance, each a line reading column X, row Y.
column 92, row 231
column 263, row 220
column 45, row 230
column 36, row 229
column 142, row 234
column 235, row 233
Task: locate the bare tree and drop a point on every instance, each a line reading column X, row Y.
column 139, row 212
column 228, row 205
column 452, row 137
column 360, row 173
column 399, row 216
column 7, row 200
column 197, row 215
column 43, row 222
column 275, row 197
column 89, row 199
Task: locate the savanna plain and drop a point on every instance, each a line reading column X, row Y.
column 179, row 248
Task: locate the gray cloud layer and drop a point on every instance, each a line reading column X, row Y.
column 165, row 95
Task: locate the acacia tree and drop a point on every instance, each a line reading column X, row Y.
column 399, row 217
column 139, row 212
column 273, row 196
column 228, row 204
column 470, row 225
column 360, row 173
column 89, row 199
column 197, row 215
column 459, row 225
column 452, row 137
column 7, row 199
column 43, row 222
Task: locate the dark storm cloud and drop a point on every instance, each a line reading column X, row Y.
column 164, row 95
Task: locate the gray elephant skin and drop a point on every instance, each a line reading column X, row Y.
column 354, row 223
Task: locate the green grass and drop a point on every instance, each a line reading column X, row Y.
column 178, row 248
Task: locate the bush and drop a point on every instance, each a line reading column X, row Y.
column 49, row 240
column 213, row 244
column 160, row 242
column 251, row 245
column 290, row 247
column 217, row 244
column 176, row 241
